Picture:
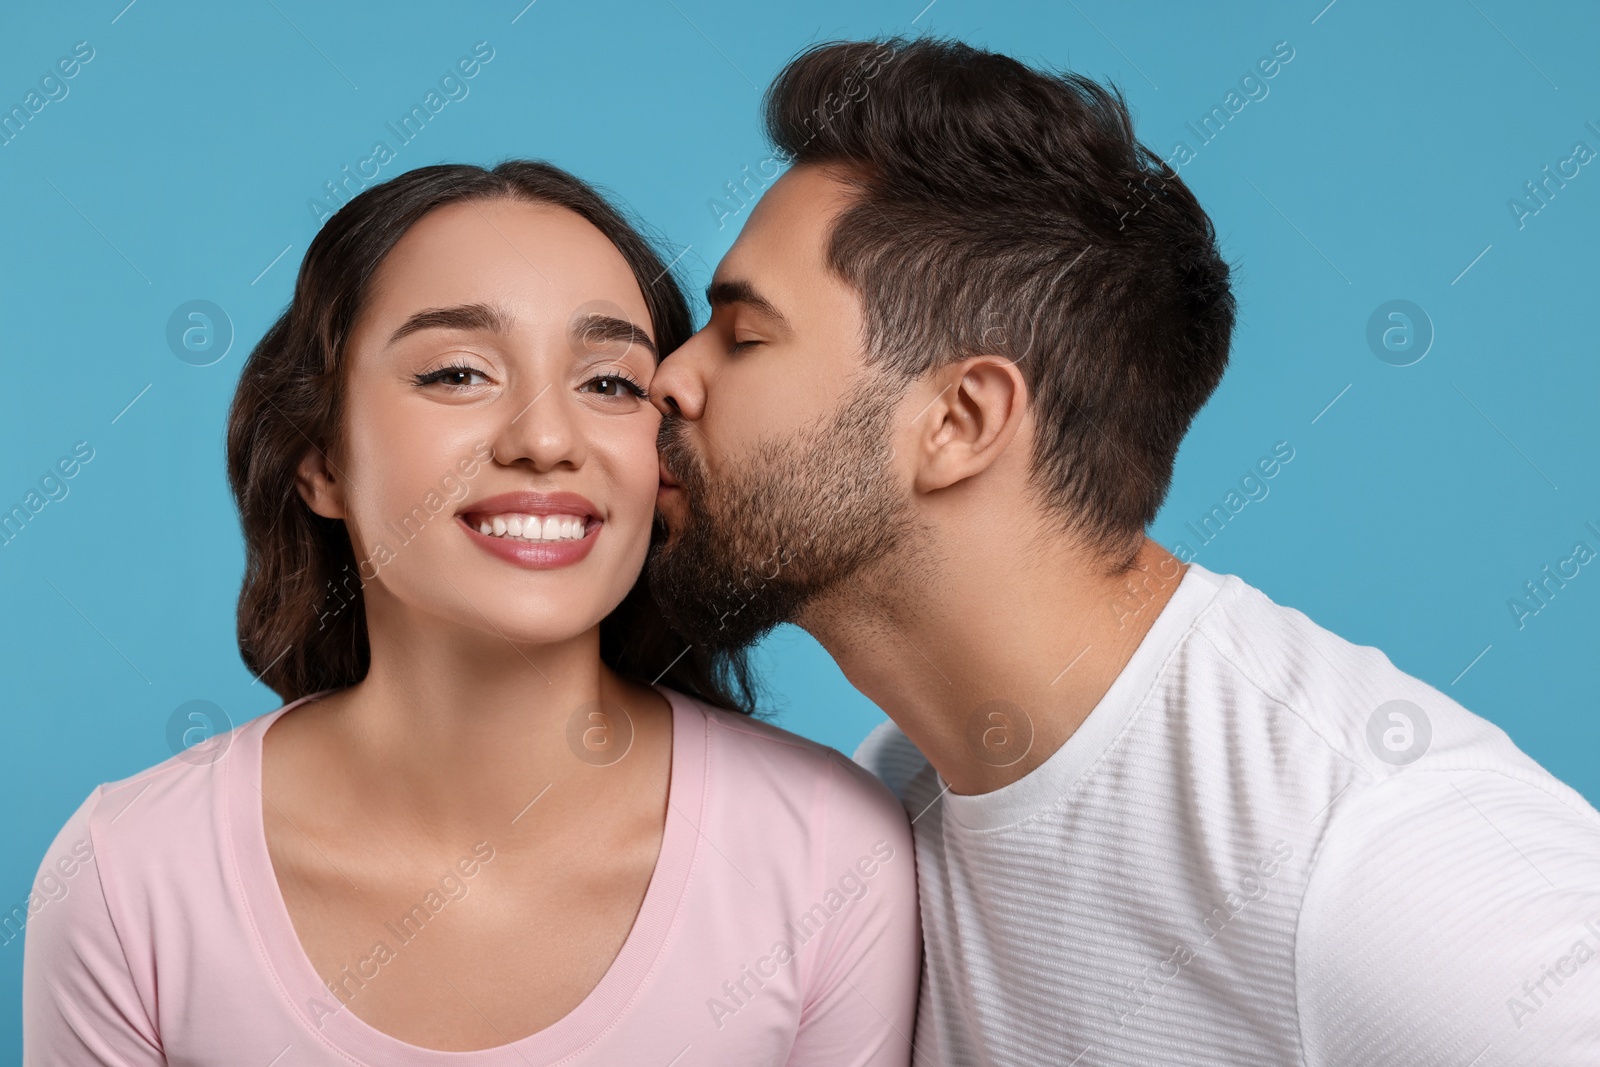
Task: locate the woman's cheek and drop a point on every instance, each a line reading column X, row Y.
column 636, row 469
column 393, row 466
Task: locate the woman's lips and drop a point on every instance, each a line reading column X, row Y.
column 535, row 555
column 551, row 529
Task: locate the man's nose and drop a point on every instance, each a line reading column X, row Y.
column 678, row 387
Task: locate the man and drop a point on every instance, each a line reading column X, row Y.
column 1158, row 818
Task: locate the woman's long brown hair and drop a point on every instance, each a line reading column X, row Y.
column 301, row 620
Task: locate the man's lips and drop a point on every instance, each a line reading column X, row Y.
column 667, row 479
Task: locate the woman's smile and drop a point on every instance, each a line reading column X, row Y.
column 540, row 531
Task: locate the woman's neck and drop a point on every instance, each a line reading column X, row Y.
column 452, row 727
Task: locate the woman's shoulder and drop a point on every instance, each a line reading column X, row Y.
column 760, row 762
column 173, row 798
column 139, row 872
column 142, row 832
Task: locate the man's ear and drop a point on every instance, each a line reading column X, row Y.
column 981, row 403
column 319, row 484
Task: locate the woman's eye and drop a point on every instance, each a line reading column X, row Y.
column 615, row 385
column 740, row 346
column 455, row 376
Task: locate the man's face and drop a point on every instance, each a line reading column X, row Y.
column 776, row 450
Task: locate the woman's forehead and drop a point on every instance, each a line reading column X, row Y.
column 540, row 262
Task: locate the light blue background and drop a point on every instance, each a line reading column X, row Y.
column 1378, row 167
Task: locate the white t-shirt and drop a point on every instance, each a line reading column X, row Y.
column 1248, row 855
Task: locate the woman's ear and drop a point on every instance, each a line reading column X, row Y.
column 980, row 406
column 320, row 487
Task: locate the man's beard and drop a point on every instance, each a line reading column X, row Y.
column 778, row 531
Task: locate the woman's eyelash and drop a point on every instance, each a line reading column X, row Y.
column 740, row 346
column 632, row 386
column 443, row 373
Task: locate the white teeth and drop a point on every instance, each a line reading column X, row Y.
column 534, row 527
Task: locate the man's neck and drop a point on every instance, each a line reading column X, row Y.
column 990, row 661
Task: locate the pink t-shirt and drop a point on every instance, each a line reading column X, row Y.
column 780, row 925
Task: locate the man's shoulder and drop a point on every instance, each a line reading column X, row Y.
column 889, row 754
column 1446, row 911
column 1252, row 655
column 1448, row 867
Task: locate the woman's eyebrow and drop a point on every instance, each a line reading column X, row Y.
column 593, row 330
column 459, row 317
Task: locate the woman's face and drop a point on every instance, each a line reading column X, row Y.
column 497, row 467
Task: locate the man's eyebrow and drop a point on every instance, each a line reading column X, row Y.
column 459, row 317
column 595, row 330
column 739, row 291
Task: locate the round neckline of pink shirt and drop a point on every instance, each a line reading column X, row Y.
column 322, row 1015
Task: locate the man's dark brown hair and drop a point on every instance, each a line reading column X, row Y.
column 1011, row 211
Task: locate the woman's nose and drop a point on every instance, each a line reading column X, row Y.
column 542, row 430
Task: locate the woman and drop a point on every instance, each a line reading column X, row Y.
column 480, row 831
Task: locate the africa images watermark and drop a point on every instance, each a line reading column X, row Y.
column 452, row 88
column 1252, row 488
column 53, row 88
column 728, row 206
column 1538, row 193
column 1537, row 993
column 1253, row 87
column 52, row 488
column 737, row 993
column 353, row 978
column 54, row 882
column 1538, row 592
column 1143, row 585
column 1141, row 991
column 451, row 489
